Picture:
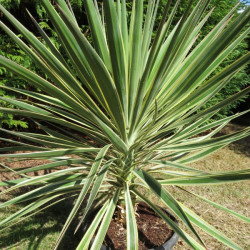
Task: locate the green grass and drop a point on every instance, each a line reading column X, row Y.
column 39, row 231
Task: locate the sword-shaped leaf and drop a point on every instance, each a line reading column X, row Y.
column 165, row 196
column 170, row 222
column 85, row 189
column 106, row 221
column 84, row 243
column 132, row 231
column 209, row 179
column 197, row 220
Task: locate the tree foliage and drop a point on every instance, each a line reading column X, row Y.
column 242, row 79
column 12, row 51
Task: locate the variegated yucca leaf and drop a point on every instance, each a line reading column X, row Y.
column 121, row 109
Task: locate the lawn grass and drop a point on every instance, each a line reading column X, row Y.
column 39, row 231
column 42, row 230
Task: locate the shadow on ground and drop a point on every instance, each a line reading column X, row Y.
column 241, row 146
column 33, row 231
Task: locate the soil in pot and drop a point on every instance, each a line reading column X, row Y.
column 152, row 230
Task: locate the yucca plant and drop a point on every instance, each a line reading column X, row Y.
column 121, row 113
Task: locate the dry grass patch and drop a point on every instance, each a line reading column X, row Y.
column 233, row 196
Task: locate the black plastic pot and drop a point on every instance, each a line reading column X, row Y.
column 168, row 245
